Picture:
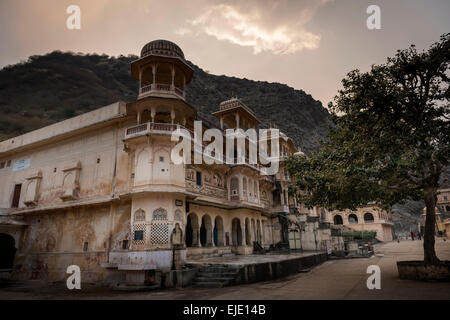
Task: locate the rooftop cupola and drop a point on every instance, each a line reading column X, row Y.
column 235, row 114
column 161, row 70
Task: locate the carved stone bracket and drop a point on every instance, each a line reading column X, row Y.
column 32, row 189
column 71, row 181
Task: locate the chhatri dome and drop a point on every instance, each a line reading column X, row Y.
column 163, row 48
column 162, row 70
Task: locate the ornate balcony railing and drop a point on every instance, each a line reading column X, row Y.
column 151, row 128
column 161, row 88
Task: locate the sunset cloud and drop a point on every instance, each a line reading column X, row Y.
column 273, row 26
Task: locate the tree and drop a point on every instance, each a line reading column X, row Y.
column 390, row 139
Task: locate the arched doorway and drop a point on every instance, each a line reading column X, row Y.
column 248, row 240
column 338, row 220
column 192, row 230
column 258, row 231
column 253, row 230
column 206, row 231
column 218, row 231
column 7, row 251
column 236, row 232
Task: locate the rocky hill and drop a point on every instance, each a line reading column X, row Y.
column 50, row 88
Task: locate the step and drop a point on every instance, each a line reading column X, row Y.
column 209, row 285
column 218, row 269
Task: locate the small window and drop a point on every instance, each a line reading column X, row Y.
column 445, row 198
column 161, row 159
column 199, row 178
column 2, row 165
column 139, row 235
column 85, row 246
column 125, row 244
column 54, row 169
column 8, row 164
column 98, row 160
column 16, row 196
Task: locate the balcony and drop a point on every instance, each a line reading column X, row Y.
column 151, row 128
column 163, row 90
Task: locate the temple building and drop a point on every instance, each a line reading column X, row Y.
column 368, row 218
column 100, row 190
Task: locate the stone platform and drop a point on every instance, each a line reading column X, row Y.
column 254, row 268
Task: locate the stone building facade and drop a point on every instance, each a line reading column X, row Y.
column 369, row 218
column 101, row 191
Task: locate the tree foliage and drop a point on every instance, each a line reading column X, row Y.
column 391, row 136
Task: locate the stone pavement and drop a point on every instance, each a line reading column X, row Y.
column 334, row 279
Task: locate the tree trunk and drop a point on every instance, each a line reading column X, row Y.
column 430, row 225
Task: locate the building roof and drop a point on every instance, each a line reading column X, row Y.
column 163, row 48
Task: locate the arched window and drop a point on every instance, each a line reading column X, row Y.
column 178, row 216
column 234, row 187
column 338, row 219
column 139, row 215
column 352, row 219
column 368, row 217
column 160, row 214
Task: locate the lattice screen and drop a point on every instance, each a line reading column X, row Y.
column 159, row 233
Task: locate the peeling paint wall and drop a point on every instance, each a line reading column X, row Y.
column 55, row 240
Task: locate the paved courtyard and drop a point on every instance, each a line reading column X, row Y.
column 334, row 279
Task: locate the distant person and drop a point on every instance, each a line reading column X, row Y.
column 419, row 236
column 412, row 236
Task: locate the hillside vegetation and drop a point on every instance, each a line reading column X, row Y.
column 49, row 88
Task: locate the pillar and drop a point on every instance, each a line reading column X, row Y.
column 139, row 117
column 172, row 113
column 153, row 113
column 173, row 76
column 154, row 67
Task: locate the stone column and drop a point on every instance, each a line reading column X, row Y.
column 172, row 114
column 173, row 77
column 153, row 113
column 154, row 68
column 139, row 117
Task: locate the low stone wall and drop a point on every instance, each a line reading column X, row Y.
column 418, row 270
column 274, row 270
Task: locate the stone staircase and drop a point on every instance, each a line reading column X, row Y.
column 217, row 276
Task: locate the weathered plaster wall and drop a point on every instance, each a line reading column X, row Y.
column 55, row 240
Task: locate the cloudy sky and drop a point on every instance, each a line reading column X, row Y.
column 307, row 44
